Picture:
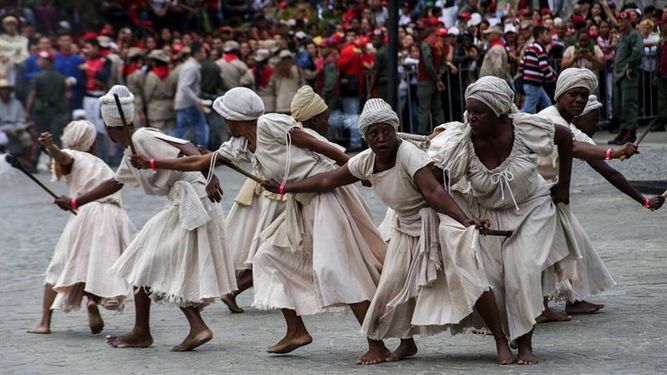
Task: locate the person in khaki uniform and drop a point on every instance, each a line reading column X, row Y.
column 263, row 73
column 286, row 80
column 134, row 80
column 235, row 73
column 159, row 92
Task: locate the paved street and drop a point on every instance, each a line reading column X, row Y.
column 627, row 337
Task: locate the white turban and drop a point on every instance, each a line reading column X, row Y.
column 575, row 77
column 592, row 105
column 79, row 135
column 109, row 109
column 239, row 104
column 377, row 111
column 307, row 104
column 495, row 93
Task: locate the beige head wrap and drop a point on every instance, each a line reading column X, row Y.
column 109, row 110
column 592, row 105
column 79, row 135
column 307, row 104
column 495, row 93
column 575, row 77
column 377, row 111
column 239, row 104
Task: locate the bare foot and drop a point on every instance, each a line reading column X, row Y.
column 94, row 318
column 406, row 349
column 549, row 316
column 377, row 353
column 193, row 340
column 41, row 329
column 130, row 340
column 290, row 343
column 230, row 300
column 505, row 356
column 526, row 358
column 582, row 307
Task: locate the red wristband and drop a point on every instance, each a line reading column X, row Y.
column 607, row 154
column 152, row 162
column 646, row 203
column 73, row 204
column 281, row 190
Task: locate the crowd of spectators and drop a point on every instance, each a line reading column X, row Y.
column 176, row 56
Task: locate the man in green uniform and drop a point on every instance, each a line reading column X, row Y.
column 378, row 84
column 432, row 66
column 47, row 97
column 626, row 80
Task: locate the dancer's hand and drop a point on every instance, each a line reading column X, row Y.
column 213, row 190
column 478, row 223
column 625, row 151
column 46, row 139
column 560, row 194
column 656, row 202
column 140, row 162
column 272, row 186
column 64, row 202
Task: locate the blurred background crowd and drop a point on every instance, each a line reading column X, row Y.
column 177, row 56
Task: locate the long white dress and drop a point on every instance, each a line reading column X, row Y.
column 181, row 254
column 91, row 241
column 324, row 250
column 572, row 279
column 513, row 197
column 414, row 256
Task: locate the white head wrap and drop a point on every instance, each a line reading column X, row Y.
column 79, row 135
column 592, row 105
column 575, row 77
column 239, row 104
column 109, row 109
column 307, row 104
column 495, row 93
column 377, row 111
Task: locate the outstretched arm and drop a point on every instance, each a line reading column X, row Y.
column 563, row 140
column 315, row 184
column 589, row 152
column 439, row 199
column 619, row 181
column 102, row 190
column 304, row 140
column 62, row 158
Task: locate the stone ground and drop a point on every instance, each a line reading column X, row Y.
column 627, row 337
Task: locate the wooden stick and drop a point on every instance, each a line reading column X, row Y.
column 242, row 171
column 664, row 194
column 125, row 126
column 639, row 139
column 494, row 232
column 14, row 162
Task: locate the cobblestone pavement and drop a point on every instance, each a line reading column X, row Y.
column 627, row 337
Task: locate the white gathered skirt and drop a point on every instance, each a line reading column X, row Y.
column 187, row 268
column 339, row 264
column 89, row 245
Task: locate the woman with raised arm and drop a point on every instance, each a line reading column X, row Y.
column 180, row 255
column 492, row 158
column 402, row 177
column 324, row 251
column 92, row 240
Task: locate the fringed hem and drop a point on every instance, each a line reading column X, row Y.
column 335, row 308
column 163, row 297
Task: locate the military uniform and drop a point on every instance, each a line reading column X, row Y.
column 432, row 66
column 380, row 71
column 49, row 107
column 626, row 91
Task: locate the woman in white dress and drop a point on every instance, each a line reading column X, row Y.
column 580, row 278
column 181, row 254
column 493, row 157
column 92, row 240
column 401, row 175
column 254, row 208
column 323, row 252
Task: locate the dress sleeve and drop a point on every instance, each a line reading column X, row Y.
column 412, row 159
column 451, row 152
column 361, row 165
column 124, row 173
column 535, row 132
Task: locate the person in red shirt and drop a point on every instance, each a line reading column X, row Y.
column 661, row 79
column 350, row 68
column 432, row 66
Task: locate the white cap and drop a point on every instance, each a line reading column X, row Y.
column 109, row 109
column 475, row 19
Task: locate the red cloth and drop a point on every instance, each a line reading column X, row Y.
column 350, row 61
column 265, row 77
column 161, row 71
column 130, row 68
column 229, row 57
column 498, row 42
column 439, row 51
column 94, row 66
column 662, row 58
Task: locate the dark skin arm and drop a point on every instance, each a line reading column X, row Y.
column 589, row 152
column 62, row 158
column 102, row 190
column 563, row 140
column 434, row 194
column 306, row 141
column 617, row 179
